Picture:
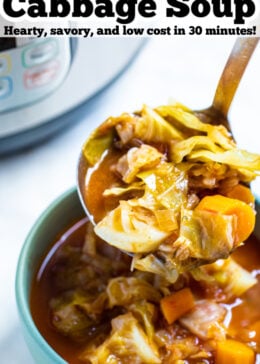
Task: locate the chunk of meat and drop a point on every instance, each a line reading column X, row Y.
column 137, row 159
column 205, row 320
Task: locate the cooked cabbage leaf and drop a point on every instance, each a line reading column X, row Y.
column 204, row 235
column 96, row 145
column 126, row 343
column 185, row 147
column 179, row 114
column 167, row 184
column 146, row 314
column 131, row 228
column 117, row 191
column 152, row 264
column 123, row 291
column 151, row 127
column 229, row 275
column 236, row 158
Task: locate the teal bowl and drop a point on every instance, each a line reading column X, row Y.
column 64, row 210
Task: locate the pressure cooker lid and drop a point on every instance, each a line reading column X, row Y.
column 96, row 63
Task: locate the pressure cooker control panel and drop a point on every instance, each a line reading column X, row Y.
column 30, row 69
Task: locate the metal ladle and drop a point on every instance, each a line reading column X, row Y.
column 216, row 114
column 228, row 83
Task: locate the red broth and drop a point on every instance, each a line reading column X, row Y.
column 42, row 291
column 242, row 312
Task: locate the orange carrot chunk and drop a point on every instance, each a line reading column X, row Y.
column 177, row 304
column 229, row 206
column 241, row 193
column 234, row 352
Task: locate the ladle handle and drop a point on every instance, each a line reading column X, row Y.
column 233, row 72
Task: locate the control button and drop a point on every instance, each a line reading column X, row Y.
column 40, row 53
column 5, row 87
column 41, row 76
column 5, row 64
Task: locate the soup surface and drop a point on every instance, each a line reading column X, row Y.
column 92, row 308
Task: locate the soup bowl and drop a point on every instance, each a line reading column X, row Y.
column 62, row 212
column 56, row 218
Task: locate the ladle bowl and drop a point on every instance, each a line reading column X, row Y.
column 216, row 114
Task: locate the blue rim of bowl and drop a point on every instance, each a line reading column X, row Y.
column 21, row 295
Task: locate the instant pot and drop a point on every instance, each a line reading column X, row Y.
column 45, row 82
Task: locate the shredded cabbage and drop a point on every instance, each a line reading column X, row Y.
column 228, row 274
column 169, row 160
column 127, row 343
column 125, row 290
column 115, row 313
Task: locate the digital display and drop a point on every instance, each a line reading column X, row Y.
column 7, row 43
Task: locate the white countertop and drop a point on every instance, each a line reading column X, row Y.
column 183, row 69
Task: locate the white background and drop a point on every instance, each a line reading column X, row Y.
column 183, row 69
